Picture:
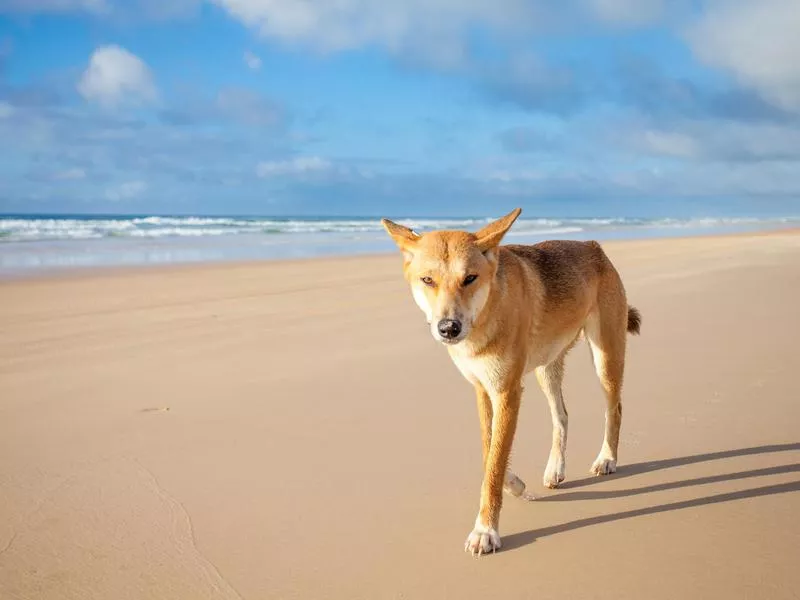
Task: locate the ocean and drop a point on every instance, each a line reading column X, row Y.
column 54, row 242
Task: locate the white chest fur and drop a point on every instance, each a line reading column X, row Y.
column 491, row 370
column 488, row 370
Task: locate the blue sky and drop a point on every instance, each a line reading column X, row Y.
column 383, row 107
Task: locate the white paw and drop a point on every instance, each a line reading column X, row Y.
column 554, row 473
column 514, row 486
column 482, row 540
column 603, row 466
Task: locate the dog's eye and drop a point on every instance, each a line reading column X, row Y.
column 469, row 279
column 427, row 280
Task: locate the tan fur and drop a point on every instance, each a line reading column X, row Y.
column 525, row 310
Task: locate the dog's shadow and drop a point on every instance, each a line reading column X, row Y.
column 524, row 538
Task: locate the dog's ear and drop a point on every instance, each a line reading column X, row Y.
column 405, row 238
column 490, row 236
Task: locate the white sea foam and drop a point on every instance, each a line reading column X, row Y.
column 32, row 229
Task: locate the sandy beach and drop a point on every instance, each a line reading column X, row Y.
column 291, row 430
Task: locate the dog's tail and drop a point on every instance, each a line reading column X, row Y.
column 634, row 320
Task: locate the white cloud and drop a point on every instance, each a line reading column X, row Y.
column 295, row 166
column 136, row 9
column 713, row 140
column 6, row 110
column 757, row 41
column 52, row 6
column 126, row 190
column 70, row 175
column 670, row 143
column 252, row 61
column 630, row 12
column 115, row 76
column 158, row 9
column 511, row 175
column 249, row 107
column 398, row 25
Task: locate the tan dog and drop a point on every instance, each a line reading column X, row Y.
column 504, row 311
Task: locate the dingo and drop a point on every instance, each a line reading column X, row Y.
column 504, row 311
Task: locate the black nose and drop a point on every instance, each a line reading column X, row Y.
column 449, row 328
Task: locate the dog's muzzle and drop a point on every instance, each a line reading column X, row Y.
column 449, row 331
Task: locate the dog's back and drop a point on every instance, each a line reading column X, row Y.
column 566, row 268
column 561, row 265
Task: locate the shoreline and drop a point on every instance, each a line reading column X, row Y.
column 90, row 271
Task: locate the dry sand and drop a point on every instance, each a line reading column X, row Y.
column 291, row 430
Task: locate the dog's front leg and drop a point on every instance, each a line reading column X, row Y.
column 512, row 484
column 485, row 413
column 485, row 537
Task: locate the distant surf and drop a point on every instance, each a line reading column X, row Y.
column 18, row 228
column 36, row 242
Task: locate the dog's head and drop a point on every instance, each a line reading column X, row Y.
column 451, row 273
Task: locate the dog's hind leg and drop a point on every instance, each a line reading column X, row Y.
column 550, row 378
column 512, row 484
column 605, row 330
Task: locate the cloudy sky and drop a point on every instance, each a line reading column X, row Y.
column 438, row 107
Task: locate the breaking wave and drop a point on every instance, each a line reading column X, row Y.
column 52, row 228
